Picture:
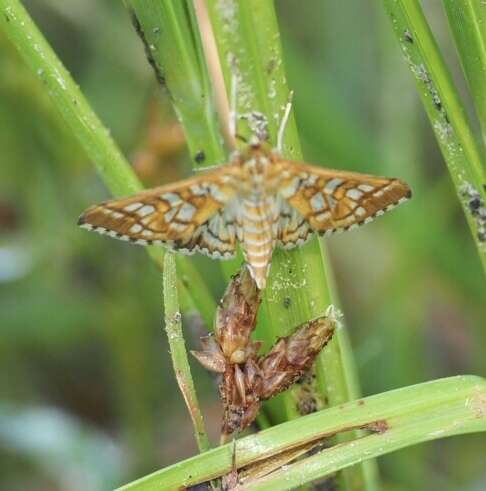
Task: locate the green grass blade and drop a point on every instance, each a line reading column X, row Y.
column 93, row 137
column 401, row 417
column 444, row 108
column 172, row 42
column 68, row 99
column 467, row 21
column 299, row 286
column 427, row 426
column 173, row 327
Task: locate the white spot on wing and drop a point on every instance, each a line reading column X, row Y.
column 332, row 185
column 311, row 180
column 323, row 216
column 172, row 198
column 186, row 212
column 136, row 228
column 197, row 190
column 354, row 194
column 317, row 202
column 145, row 210
column 366, row 188
column 216, row 193
column 178, row 227
column 133, row 206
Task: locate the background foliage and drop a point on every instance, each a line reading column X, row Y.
column 88, row 399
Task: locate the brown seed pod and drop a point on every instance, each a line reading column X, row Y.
column 248, row 378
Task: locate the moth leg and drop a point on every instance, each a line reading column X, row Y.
column 283, row 123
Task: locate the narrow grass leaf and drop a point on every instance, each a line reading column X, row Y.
column 445, row 111
column 395, row 419
column 173, row 328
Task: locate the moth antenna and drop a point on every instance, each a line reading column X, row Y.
column 233, row 117
column 283, row 124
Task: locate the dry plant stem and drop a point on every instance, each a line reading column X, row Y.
column 173, row 46
column 214, row 67
column 445, row 111
column 261, row 469
column 93, row 137
column 173, row 327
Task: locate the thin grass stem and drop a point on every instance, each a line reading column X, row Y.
column 173, row 328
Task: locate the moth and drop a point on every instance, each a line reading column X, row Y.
column 260, row 200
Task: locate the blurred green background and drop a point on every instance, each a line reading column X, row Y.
column 88, row 399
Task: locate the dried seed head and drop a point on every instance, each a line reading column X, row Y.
column 292, row 355
column 210, row 360
column 239, row 378
column 249, row 378
column 260, row 378
column 236, row 317
column 240, row 399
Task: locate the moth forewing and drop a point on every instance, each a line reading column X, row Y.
column 333, row 201
column 188, row 216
